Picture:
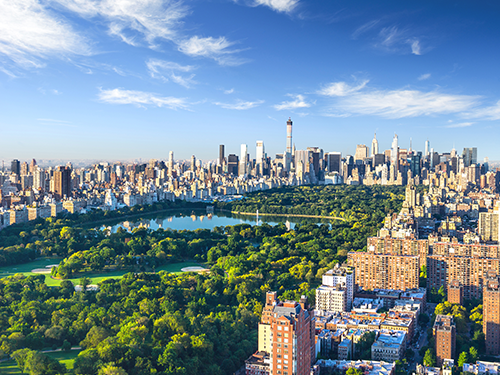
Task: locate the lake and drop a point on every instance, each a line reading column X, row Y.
column 191, row 220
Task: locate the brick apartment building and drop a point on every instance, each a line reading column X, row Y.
column 444, row 331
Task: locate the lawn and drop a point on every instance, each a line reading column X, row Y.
column 96, row 278
column 66, row 358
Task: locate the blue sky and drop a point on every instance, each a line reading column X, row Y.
column 129, row 79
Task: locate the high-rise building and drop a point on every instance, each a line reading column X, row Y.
column 170, row 163
column 395, row 151
column 334, row 162
column 337, row 291
column 343, row 276
column 488, row 226
column 331, row 299
column 288, row 152
column 24, row 168
column 444, row 331
column 374, row 150
column 15, row 167
column 303, row 156
column 260, row 152
column 221, row 154
column 469, row 156
column 427, row 148
column 243, row 160
column 287, row 335
column 455, row 293
column 62, row 182
column 193, row 163
column 361, row 152
column 32, row 165
column 381, row 271
column 491, row 313
column 232, row 164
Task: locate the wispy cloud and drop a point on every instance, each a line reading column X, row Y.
column 341, row 89
column 29, row 33
column 415, row 47
column 230, row 91
column 298, row 102
column 133, row 20
column 140, row 98
column 240, row 105
column 162, row 69
column 285, row 6
column 491, row 113
column 364, row 28
column 49, row 121
column 425, row 76
column 405, row 103
column 214, row 48
column 460, row 125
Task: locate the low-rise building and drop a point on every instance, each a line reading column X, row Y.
column 389, row 347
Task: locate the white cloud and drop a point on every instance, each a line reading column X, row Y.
column 240, row 105
column 127, row 18
column 30, row 32
column 230, row 91
column 460, row 125
column 279, row 5
column 364, row 28
column 425, row 76
column 415, row 47
column 140, row 98
column 341, row 89
column 160, row 68
column 406, row 103
column 299, row 102
column 214, row 48
column 487, row 113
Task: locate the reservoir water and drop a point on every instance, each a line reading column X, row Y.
column 192, row 220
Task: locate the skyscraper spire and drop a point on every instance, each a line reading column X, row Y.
column 374, row 150
column 288, row 152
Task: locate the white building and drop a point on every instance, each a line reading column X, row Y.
column 344, row 277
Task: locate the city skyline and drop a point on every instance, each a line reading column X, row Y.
column 115, row 81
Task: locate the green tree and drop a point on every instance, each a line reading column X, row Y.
column 429, row 358
column 462, row 358
column 111, row 370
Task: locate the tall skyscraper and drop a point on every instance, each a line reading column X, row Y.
column 260, row 155
column 427, row 148
column 62, row 182
column 395, row 151
column 193, row 163
column 470, row 156
column 288, row 152
column 170, row 163
column 361, row 152
column 289, row 136
column 221, row 154
column 334, row 162
column 232, row 164
column 15, row 167
column 374, row 150
column 243, row 160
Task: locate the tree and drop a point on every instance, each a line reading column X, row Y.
column 429, row 358
column 111, row 370
column 462, row 358
column 354, row 371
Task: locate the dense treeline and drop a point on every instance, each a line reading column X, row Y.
column 21, row 243
column 362, row 208
column 160, row 323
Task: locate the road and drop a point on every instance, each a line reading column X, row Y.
column 423, row 339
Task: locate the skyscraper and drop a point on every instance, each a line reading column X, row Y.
column 288, row 152
column 444, row 331
column 361, row 152
column 221, row 154
column 170, row 163
column 470, row 156
column 260, row 155
column 374, row 150
column 243, row 160
column 427, row 148
column 15, row 167
column 395, row 151
column 62, row 182
column 193, row 163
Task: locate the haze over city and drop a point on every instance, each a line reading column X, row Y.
column 117, row 80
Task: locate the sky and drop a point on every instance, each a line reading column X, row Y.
column 135, row 79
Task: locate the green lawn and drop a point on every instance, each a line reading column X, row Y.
column 66, row 358
column 96, row 278
column 9, row 368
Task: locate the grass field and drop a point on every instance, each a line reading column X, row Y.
column 96, row 278
column 66, row 358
